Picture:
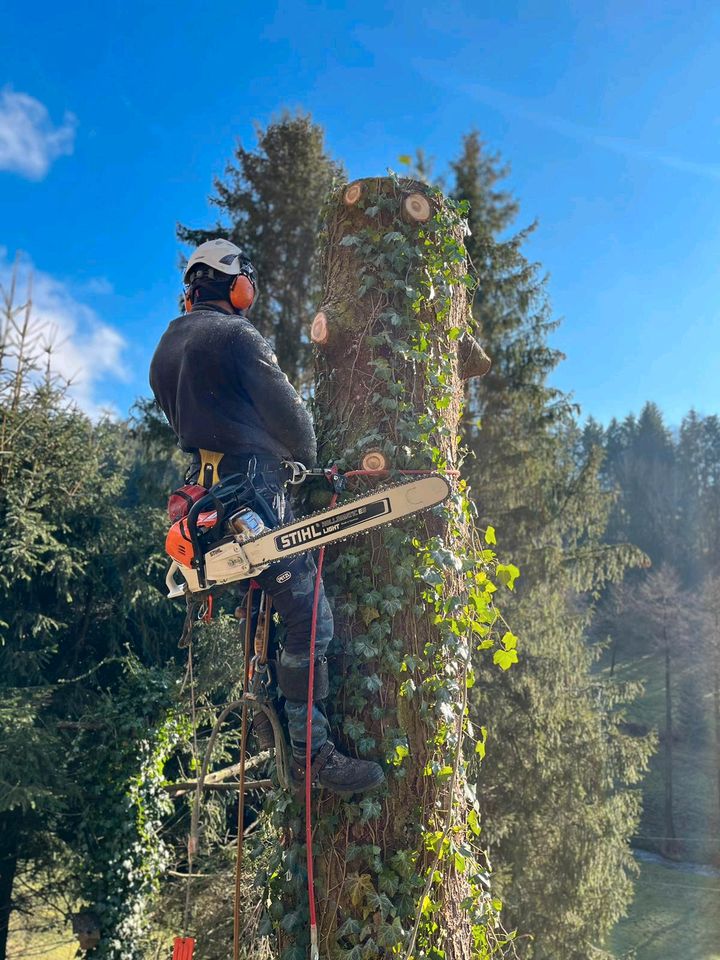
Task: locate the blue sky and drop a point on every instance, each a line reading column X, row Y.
column 115, row 118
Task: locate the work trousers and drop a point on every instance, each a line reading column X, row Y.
column 291, row 585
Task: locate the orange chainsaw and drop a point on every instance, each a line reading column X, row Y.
column 220, row 542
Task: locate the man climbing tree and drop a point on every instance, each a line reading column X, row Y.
column 234, row 411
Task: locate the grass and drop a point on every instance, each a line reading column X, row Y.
column 674, row 915
column 695, row 809
column 42, row 937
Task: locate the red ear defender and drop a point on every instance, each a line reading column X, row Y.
column 242, row 292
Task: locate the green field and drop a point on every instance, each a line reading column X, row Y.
column 28, row 942
column 675, row 916
column 675, row 913
column 695, row 809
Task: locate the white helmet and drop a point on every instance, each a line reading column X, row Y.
column 221, row 255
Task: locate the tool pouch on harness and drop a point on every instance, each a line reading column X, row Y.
column 182, row 499
column 293, row 681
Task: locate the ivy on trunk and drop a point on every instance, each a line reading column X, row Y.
column 398, row 873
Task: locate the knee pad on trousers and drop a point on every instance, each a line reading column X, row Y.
column 293, row 681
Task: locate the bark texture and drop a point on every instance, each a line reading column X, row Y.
column 371, row 394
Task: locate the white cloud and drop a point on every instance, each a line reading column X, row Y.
column 85, row 351
column 28, row 140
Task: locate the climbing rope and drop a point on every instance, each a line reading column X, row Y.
column 314, row 953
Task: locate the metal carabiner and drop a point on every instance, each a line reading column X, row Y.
column 299, row 472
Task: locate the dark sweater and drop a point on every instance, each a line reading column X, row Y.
column 218, row 383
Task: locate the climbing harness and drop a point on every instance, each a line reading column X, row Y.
column 249, row 545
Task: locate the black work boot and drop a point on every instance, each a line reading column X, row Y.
column 334, row 771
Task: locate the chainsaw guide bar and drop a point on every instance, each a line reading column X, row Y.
column 232, row 559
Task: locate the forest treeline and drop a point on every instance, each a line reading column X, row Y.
column 617, row 609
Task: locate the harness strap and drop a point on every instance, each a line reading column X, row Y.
column 321, row 758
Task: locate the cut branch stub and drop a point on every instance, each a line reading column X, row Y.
column 319, row 330
column 474, row 362
column 416, row 207
column 375, row 460
column 352, row 194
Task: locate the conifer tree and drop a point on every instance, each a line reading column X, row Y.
column 271, row 205
column 558, row 765
column 698, row 496
column 82, row 623
column 640, row 464
column 710, row 612
column 655, row 612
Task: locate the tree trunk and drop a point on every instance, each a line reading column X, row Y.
column 8, row 866
column 716, row 704
column 670, row 842
column 396, row 875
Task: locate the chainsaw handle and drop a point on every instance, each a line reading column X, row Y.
column 192, row 518
column 175, row 589
column 209, row 501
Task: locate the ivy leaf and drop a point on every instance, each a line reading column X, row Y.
column 371, row 809
column 367, row 282
column 294, row 953
column 350, row 928
column 505, row 658
column 389, row 882
column 509, row 641
column 373, row 683
column 402, row 750
column 369, row 614
column 355, row 954
column 349, row 240
column 291, row 921
column 378, row 901
column 354, row 728
column 490, row 535
column 403, row 863
column 391, row 606
column 359, row 886
column 507, row 574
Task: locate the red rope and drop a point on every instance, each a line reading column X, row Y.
column 308, row 749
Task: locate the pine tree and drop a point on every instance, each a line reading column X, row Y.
column 271, row 202
column 640, row 464
column 82, row 622
column 697, row 467
column 710, row 613
column 558, row 766
column 654, row 610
